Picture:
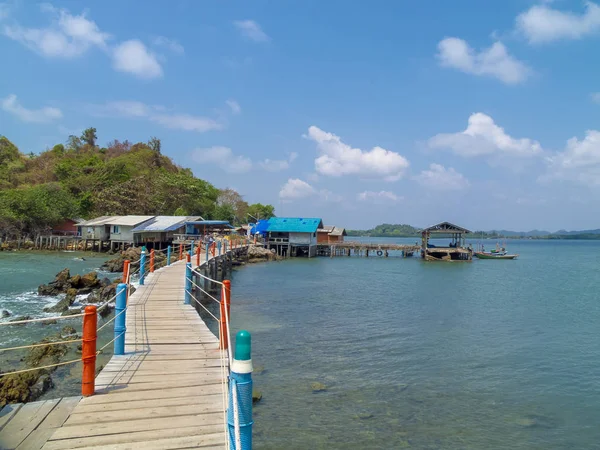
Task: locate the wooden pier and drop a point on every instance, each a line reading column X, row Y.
column 166, row 392
column 366, row 249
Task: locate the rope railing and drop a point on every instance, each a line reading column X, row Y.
column 40, row 345
column 42, row 319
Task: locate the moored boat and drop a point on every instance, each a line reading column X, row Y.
column 495, row 255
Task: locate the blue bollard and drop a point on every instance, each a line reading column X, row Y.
column 219, row 247
column 241, row 380
column 121, row 304
column 143, row 266
column 169, row 255
column 188, row 283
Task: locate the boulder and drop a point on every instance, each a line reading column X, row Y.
column 64, row 304
column 75, row 281
column 256, row 396
column 20, row 318
column 48, row 289
column 62, row 276
column 89, row 280
column 68, row 331
column 105, row 282
column 5, row 314
column 318, row 387
column 72, row 312
column 43, row 383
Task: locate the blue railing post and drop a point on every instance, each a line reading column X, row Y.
column 219, row 247
column 188, row 283
column 121, row 304
column 240, row 385
column 169, row 255
column 142, row 266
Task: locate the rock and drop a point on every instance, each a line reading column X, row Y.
column 75, row 281
column 364, row 416
column 20, row 318
column 258, row 254
column 258, row 370
column 106, row 311
column 116, row 264
column 48, row 354
column 62, row 276
column 89, row 279
column 5, row 314
column 16, row 388
column 43, row 383
column 68, row 331
column 256, row 396
column 64, row 304
column 318, row 387
column 49, row 322
column 48, row 289
column 72, row 312
column 105, row 282
column 85, row 290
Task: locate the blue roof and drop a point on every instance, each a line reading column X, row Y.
column 164, row 223
column 294, row 225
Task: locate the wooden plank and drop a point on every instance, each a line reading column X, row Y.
column 213, row 440
column 116, row 396
column 27, row 419
column 112, row 439
column 140, row 404
column 126, row 415
column 8, row 412
column 60, row 413
column 76, row 431
column 36, row 439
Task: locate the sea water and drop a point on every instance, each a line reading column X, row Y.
column 427, row 355
column 480, row 355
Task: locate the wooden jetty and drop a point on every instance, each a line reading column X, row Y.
column 456, row 250
column 366, row 249
column 166, row 392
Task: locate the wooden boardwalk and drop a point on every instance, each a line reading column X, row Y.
column 166, row 392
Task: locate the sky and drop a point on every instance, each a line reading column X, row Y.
column 484, row 114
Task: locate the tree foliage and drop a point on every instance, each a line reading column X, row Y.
column 387, row 230
column 81, row 180
column 260, row 211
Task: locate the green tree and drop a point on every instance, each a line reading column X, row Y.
column 89, row 136
column 260, row 211
column 74, row 143
column 154, row 144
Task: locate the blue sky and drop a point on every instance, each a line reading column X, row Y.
column 485, row 114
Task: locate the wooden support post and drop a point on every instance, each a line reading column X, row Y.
column 225, row 303
column 151, row 260
column 198, row 252
column 88, row 351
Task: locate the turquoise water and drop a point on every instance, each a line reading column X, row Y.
column 481, row 355
column 20, row 275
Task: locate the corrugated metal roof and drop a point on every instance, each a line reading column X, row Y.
column 164, row 223
column 338, row 232
column 102, row 220
column 128, row 221
column 294, row 224
column 326, row 229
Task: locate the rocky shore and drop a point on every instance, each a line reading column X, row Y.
column 258, row 254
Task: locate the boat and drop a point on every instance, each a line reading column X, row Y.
column 495, row 255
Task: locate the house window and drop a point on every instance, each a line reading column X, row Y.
column 115, row 229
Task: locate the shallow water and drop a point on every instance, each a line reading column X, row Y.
column 20, row 275
column 488, row 354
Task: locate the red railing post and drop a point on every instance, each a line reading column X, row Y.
column 152, row 260
column 126, row 271
column 225, row 303
column 198, row 251
column 88, row 351
column 188, row 258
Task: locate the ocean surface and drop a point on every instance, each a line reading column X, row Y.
column 480, row 355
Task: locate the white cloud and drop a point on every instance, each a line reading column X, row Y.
column 133, row 57
column 278, row 165
column 338, row 158
column 596, row 97
column 484, row 137
column 295, row 188
column 580, row 161
column 495, row 61
column 46, row 114
column 170, row 44
column 251, row 30
column 378, row 197
column 156, row 114
column 542, row 24
column 328, row 196
column 438, row 177
column 224, row 158
column 234, row 106
column 68, row 36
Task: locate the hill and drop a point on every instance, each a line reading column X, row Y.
column 81, row 179
column 387, row 230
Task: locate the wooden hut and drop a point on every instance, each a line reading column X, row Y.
column 330, row 233
column 454, row 250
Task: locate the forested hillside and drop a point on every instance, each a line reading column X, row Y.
column 81, row 179
column 387, row 230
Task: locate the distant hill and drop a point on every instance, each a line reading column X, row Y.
column 387, row 230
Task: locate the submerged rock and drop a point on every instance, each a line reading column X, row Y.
column 5, row 314
column 72, row 312
column 64, row 304
column 318, row 387
column 20, row 318
column 256, row 396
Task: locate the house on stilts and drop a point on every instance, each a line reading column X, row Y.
column 454, row 250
